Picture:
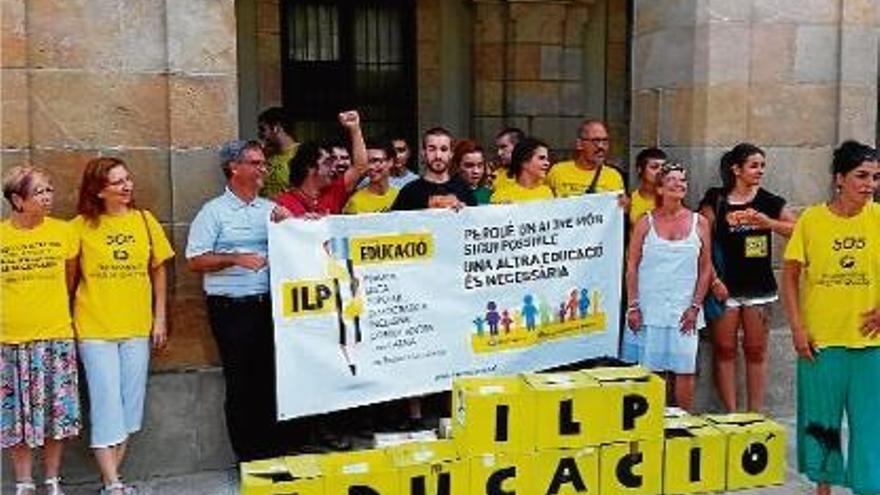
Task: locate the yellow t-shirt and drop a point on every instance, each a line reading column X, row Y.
column 840, row 277
column 502, row 180
column 515, row 193
column 639, row 206
column 567, row 179
column 366, row 201
column 278, row 176
column 114, row 295
column 34, row 304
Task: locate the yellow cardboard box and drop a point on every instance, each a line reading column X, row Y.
column 566, row 472
column 694, row 456
column 492, row 415
column 300, row 475
column 633, row 403
column 566, row 415
column 755, row 450
column 506, row 473
column 430, row 468
column 631, row 468
column 362, row 472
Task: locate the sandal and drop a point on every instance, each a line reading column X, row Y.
column 53, row 486
column 117, row 488
column 25, row 488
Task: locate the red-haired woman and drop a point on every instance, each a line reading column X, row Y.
column 119, row 307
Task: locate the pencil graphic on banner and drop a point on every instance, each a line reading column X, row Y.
column 341, row 251
column 336, row 273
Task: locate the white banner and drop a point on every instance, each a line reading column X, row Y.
column 374, row 307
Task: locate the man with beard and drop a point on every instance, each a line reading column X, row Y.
column 588, row 173
column 435, row 189
column 313, row 189
column 276, row 132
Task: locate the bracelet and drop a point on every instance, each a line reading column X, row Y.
column 696, row 306
column 715, row 282
column 633, row 304
column 632, row 309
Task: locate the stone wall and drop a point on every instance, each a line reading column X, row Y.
column 152, row 82
column 544, row 66
column 796, row 77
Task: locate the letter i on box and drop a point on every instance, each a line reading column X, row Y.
column 492, row 415
column 694, row 456
column 755, row 450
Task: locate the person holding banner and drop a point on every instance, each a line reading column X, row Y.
column 38, row 373
column 437, row 188
column 668, row 272
column 313, row 189
column 529, row 164
column 831, row 295
column 228, row 244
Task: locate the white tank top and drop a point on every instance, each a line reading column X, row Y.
column 668, row 276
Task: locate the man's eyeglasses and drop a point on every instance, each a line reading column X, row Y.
column 255, row 163
column 597, row 140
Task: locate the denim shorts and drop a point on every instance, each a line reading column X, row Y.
column 116, row 374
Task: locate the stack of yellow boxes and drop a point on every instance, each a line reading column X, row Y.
column 599, row 431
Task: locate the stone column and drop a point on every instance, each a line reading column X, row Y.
column 793, row 77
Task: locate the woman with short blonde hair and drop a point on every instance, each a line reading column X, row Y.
column 39, row 399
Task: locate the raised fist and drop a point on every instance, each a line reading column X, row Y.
column 350, row 119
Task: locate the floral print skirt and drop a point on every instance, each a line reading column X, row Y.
column 40, row 395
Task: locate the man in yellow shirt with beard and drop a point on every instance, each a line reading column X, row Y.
column 276, row 133
column 588, row 173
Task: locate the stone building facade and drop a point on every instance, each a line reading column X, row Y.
column 162, row 83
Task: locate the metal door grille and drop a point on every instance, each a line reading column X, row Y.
column 349, row 54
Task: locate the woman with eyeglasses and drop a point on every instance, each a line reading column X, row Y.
column 831, row 295
column 469, row 164
column 40, row 396
column 119, row 308
column 668, row 273
column 529, row 164
column 744, row 216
